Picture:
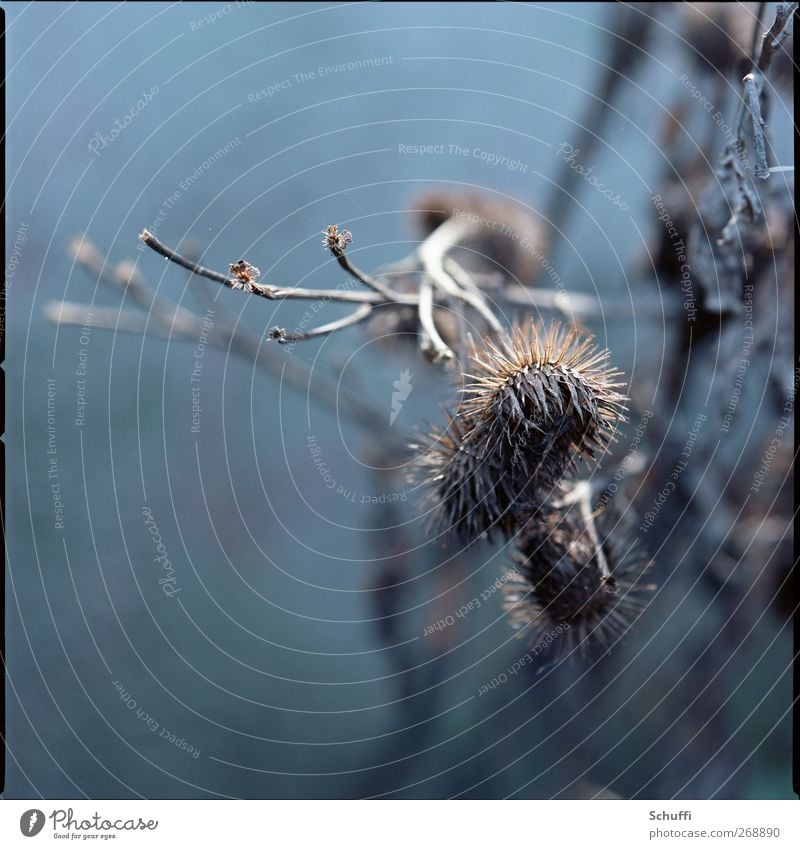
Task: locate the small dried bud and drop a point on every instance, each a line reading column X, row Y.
column 336, row 240
column 575, row 579
column 245, row 275
column 277, row 333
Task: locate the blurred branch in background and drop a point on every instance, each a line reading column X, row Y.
column 628, row 41
column 172, row 321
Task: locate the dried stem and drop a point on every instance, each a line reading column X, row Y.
column 362, row 277
column 173, row 256
column 431, row 340
column 588, row 516
column 432, row 254
column 754, row 90
column 262, row 290
column 279, row 334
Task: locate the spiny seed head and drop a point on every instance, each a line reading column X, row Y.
column 467, row 496
column 584, row 580
column 540, row 401
column 336, row 240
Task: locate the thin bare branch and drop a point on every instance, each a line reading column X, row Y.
column 281, row 335
column 173, row 256
column 376, row 285
column 262, row 290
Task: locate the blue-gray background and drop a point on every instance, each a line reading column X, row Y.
column 269, row 660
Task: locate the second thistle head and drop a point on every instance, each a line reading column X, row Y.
column 541, row 400
column 577, row 573
column 468, row 497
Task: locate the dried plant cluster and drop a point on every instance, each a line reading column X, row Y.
column 537, row 403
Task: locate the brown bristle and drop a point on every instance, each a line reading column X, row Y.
column 540, row 401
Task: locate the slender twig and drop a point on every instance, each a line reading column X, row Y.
column 471, row 293
column 588, row 516
column 580, row 493
column 734, row 162
column 336, row 241
column 69, row 313
column 173, row 256
column 754, row 89
column 282, row 336
column 362, row 277
column 277, row 293
column 262, row 290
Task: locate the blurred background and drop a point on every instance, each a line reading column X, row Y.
column 282, row 646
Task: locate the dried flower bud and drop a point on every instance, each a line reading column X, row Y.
column 540, row 402
column 245, row 274
column 336, row 240
column 278, row 334
column 577, row 574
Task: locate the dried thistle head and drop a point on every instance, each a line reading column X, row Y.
column 576, row 574
column 467, row 496
column 336, row 240
column 245, row 275
column 541, row 401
